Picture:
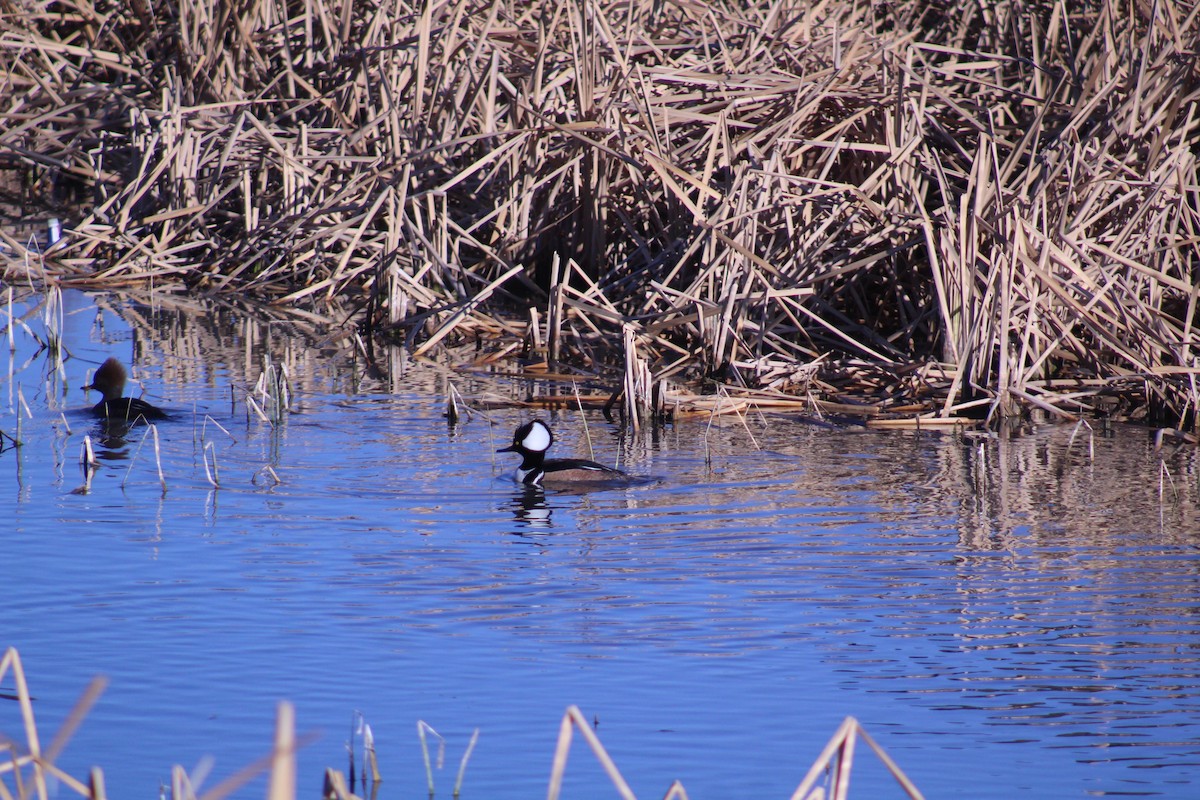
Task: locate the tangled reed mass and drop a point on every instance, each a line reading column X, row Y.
column 933, row 210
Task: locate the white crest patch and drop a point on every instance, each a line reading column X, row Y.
column 538, row 438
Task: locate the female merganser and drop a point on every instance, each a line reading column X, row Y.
column 532, row 440
column 109, row 380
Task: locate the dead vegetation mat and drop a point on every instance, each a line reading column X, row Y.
column 921, row 210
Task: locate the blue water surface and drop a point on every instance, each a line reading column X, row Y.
column 1006, row 616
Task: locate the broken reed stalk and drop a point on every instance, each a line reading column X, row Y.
column 273, row 390
column 1083, row 423
column 11, row 662
column 151, row 431
column 707, row 452
column 162, row 481
column 269, row 472
column 462, row 766
column 422, row 727
column 369, row 754
column 210, row 421
column 96, row 788
column 181, row 784
column 572, row 721
column 837, row 759
column 52, row 319
column 336, row 787
column 741, row 418
column 82, row 706
column 21, row 405
column 357, row 721
column 87, row 465
column 280, row 763
column 252, row 405
column 42, row 761
column 554, row 312
column 676, row 792
column 587, row 433
column 1164, row 472
column 284, row 390
column 554, row 325
column 213, row 477
column 282, row 784
column 359, row 728
column 456, row 406
column 637, row 387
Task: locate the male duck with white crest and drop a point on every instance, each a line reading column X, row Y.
column 533, row 439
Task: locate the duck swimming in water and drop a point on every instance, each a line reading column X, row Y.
column 109, row 380
column 533, row 439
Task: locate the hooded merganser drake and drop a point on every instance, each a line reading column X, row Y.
column 532, row 440
column 109, row 380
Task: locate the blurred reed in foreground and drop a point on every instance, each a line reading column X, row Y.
column 935, row 211
column 31, row 767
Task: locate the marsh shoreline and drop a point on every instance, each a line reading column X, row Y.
column 905, row 214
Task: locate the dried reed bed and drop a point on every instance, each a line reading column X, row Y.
column 924, row 210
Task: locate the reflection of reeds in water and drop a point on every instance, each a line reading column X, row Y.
column 1051, row 484
column 1000, row 197
column 188, row 338
column 31, row 768
column 46, row 314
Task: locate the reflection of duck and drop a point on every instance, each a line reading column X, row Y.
column 533, row 439
column 530, row 507
column 109, row 380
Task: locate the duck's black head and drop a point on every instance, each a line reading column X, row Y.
column 531, row 440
